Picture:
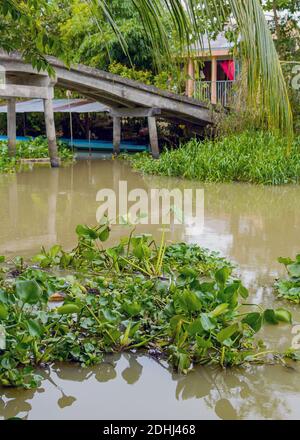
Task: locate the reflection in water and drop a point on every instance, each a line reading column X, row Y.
column 252, row 225
column 231, row 394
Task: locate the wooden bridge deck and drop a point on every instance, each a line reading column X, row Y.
column 116, row 91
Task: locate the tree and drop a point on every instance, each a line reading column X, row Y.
column 284, row 23
column 20, row 30
column 93, row 41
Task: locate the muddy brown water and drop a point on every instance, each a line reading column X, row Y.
column 251, row 225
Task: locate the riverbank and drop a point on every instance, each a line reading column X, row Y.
column 252, row 156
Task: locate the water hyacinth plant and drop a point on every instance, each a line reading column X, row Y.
column 289, row 288
column 36, row 148
column 254, row 157
column 178, row 302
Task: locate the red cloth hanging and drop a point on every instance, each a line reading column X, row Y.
column 228, row 68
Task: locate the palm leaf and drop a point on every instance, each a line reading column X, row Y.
column 264, row 75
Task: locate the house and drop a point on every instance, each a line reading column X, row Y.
column 212, row 70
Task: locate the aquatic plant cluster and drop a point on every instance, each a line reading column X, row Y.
column 178, row 302
column 289, row 288
column 36, row 148
column 252, row 156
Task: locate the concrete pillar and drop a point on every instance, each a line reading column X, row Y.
column 51, row 134
column 190, row 84
column 116, row 134
column 214, row 67
column 153, row 137
column 11, row 126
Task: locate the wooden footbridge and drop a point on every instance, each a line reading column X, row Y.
column 124, row 97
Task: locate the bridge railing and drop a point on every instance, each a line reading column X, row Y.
column 223, row 90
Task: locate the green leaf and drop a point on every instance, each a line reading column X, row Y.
column 55, row 250
column 190, row 301
column 283, row 315
column 254, row 320
column 203, row 343
column 294, row 269
column 3, row 312
column 68, row 309
column 5, row 298
column 103, row 233
column 141, row 251
column 227, row 332
column 230, row 294
column 222, row 275
column 176, row 322
column 35, row 329
column 29, row 292
column 243, row 292
column 285, row 261
column 183, row 362
column 270, row 317
column 195, row 327
column 219, row 310
column 85, row 231
column 132, row 309
column 206, row 322
column 2, row 259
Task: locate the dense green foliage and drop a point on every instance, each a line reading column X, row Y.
column 94, row 41
column 32, row 149
column 172, row 79
column 178, row 301
column 289, row 288
column 21, row 27
column 256, row 157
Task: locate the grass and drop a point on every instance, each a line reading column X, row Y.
column 33, row 149
column 252, row 156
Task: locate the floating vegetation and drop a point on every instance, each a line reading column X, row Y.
column 289, row 288
column 178, row 301
column 32, row 149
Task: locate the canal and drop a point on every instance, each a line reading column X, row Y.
column 251, row 225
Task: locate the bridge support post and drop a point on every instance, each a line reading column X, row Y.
column 190, row 84
column 51, row 134
column 214, row 74
column 153, row 137
column 116, row 134
column 11, row 126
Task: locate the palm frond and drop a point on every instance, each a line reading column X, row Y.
column 263, row 66
column 257, row 47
